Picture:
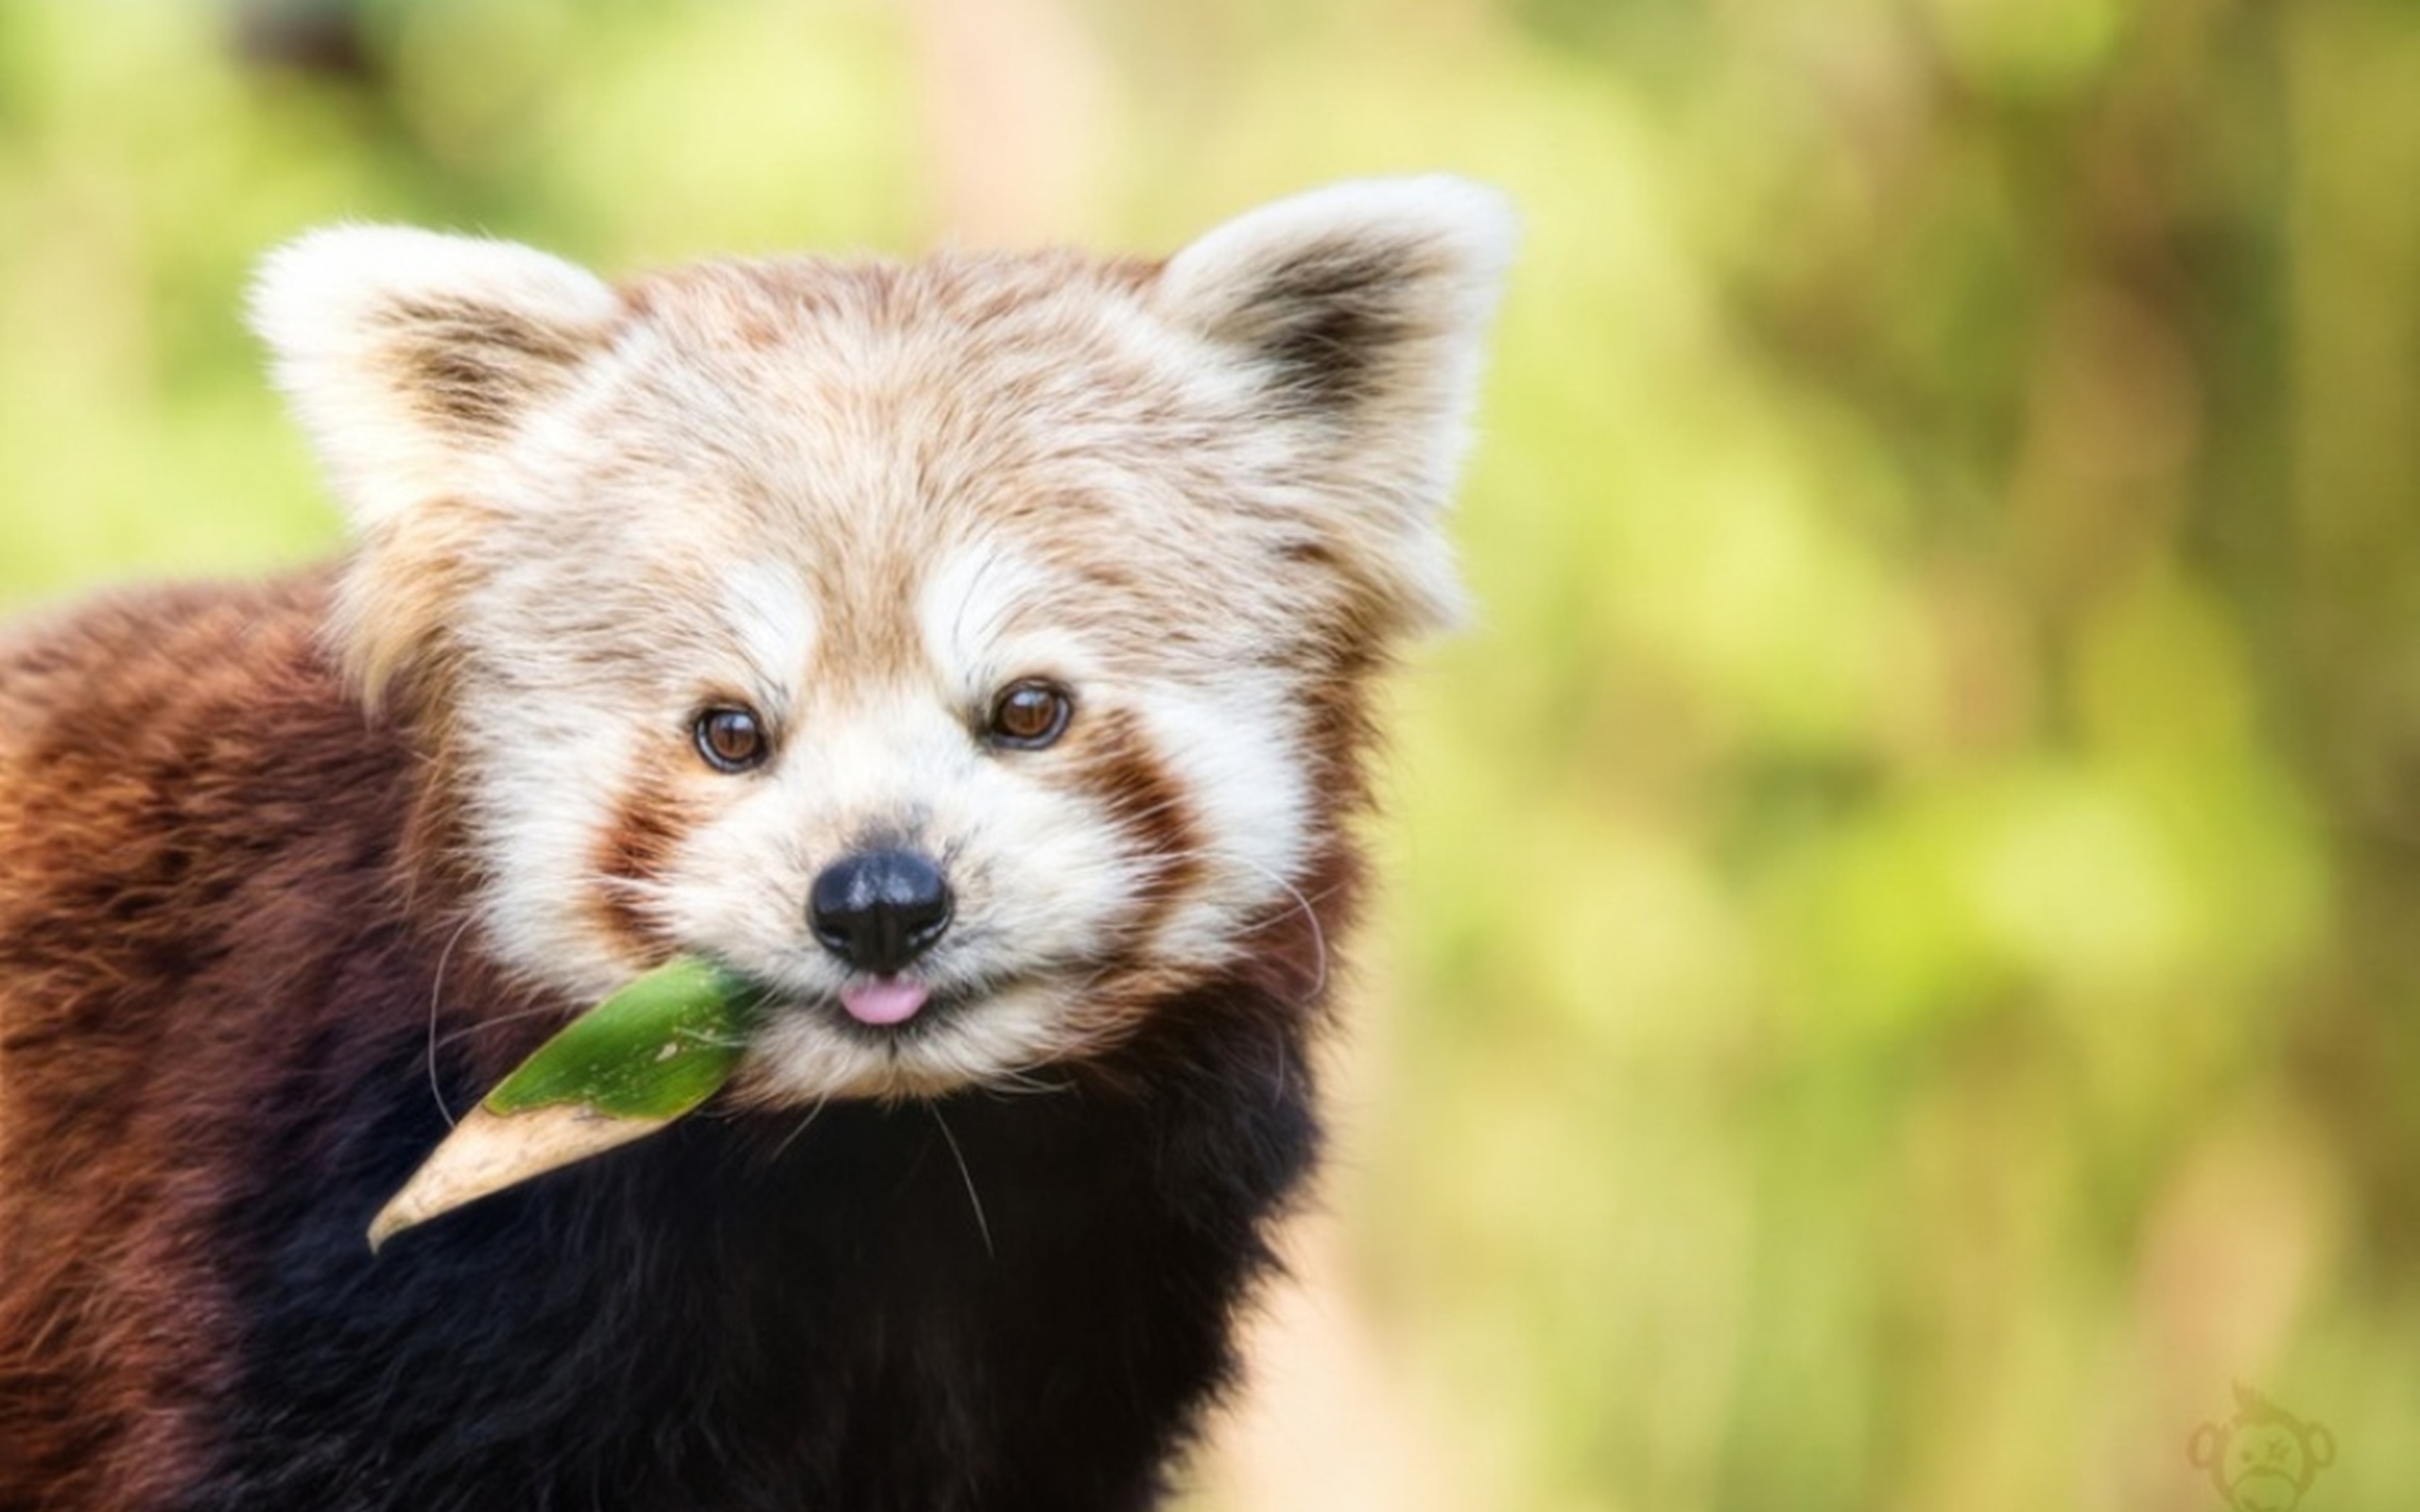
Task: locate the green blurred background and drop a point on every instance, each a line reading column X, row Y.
column 1900, row 984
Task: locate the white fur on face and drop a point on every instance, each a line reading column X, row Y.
column 1229, row 733
column 1047, row 875
column 861, row 502
column 771, row 621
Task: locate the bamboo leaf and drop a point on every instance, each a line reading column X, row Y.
column 627, row 1067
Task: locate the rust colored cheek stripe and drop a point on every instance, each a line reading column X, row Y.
column 1149, row 806
column 634, row 856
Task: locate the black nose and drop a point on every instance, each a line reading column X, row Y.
column 879, row 910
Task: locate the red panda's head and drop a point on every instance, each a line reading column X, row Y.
column 969, row 650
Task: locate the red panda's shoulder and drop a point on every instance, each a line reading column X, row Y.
column 160, row 749
column 198, row 828
column 165, row 651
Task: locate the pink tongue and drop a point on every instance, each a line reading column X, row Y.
column 883, row 1000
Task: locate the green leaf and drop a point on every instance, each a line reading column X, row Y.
column 626, row 1069
column 656, row 1049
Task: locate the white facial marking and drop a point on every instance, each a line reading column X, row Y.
column 772, row 623
column 984, row 616
column 1239, row 761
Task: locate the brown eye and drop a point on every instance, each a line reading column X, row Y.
column 731, row 739
column 1030, row 714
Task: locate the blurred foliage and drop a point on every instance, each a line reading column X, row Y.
column 1900, row 982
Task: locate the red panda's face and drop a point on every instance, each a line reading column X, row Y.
column 1057, row 761
column 967, row 652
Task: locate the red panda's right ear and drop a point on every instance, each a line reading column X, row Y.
column 408, row 354
column 410, row 357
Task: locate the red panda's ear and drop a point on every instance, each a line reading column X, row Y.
column 410, row 357
column 1365, row 297
column 1360, row 312
column 406, row 353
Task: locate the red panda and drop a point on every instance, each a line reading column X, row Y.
column 974, row 654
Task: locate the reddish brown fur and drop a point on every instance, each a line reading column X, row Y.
column 177, row 768
column 634, row 853
column 97, row 902
column 1150, row 803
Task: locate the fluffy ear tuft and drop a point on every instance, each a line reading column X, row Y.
column 404, row 352
column 1363, row 297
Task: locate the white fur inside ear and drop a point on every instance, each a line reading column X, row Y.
column 402, row 350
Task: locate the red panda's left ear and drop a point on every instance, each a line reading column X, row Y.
column 1361, row 298
column 407, row 354
column 1359, row 313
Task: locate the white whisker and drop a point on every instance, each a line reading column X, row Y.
column 436, row 1000
column 1302, row 903
column 1020, row 1081
column 485, row 1024
column 982, row 1225
column 804, row 1125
